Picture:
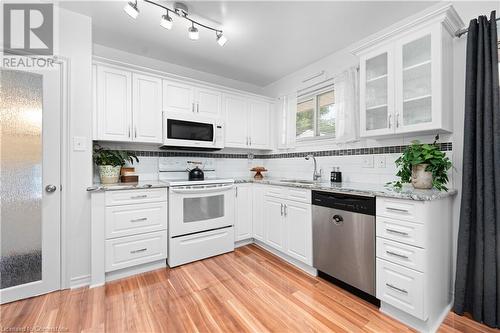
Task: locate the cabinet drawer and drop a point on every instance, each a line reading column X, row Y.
column 406, row 255
column 275, row 191
column 401, row 231
column 135, row 196
column 298, row 194
column 408, row 210
column 134, row 250
column 128, row 220
column 401, row 287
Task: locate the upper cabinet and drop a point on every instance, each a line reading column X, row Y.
column 247, row 122
column 188, row 99
column 128, row 106
column 406, row 78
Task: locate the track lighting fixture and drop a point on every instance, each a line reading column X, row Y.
column 166, row 21
column 131, row 9
column 180, row 10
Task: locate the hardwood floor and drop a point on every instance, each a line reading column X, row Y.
column 249, row 290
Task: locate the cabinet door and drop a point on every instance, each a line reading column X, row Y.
column 258, row 119
column 274, row 223
column 208, row 103
column 236, row 124
column 178, row 98
column 258, row 212
column 377, row 92
column 114, row 104
column 243, row 212
column 417, row 82
column 286, row 109
column 146, row 109
column 299, row 231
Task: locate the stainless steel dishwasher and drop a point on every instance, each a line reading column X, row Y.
column 344, row 238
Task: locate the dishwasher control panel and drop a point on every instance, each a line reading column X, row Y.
column 348, row 202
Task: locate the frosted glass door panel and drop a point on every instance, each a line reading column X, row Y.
column 417, row 111
column 376, row 118
column 21, row 177
column 417, row 52
column 417, row 82
column 376, row 67
column 376, row 95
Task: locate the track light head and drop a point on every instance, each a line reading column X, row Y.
column 131, row 9
column 193, row 33
column 166, row 22
column 221, row 39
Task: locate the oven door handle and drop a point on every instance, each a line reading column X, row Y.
column 201, row 190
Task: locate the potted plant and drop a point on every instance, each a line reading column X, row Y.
column 110, row 162
column 424, row 166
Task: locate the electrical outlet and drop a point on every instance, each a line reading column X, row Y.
column 79, row 143
column 368, row 161
column 380, row 161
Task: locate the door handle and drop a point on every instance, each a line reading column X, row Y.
column 135, row 132
column 50, row 188
column 397, row 232
column 139, row 219
column 236, row 191
column 192, row 107
column 396, row 255
column 285, row 210
column 390, row 120
column 198, row 107
column 140, row 250
column 281, row 209
column 404, row 291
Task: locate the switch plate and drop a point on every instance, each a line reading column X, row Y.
column 368, row 161
column 380, row 161
column 79, row 143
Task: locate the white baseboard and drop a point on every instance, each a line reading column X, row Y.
column 306, row 268
column 243, row 242
column 79, row 281
column 126, row 272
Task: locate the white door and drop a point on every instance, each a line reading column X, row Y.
column 30, row 115
column 243, row 212
column 377, row 92
column 114, row 104
column 258, row 212
column 259, row 119
column 208, row 102
column 178, row 98
column 236, row 124
column 147, row 117
column 274, row 222
column 299, row 231
column 418, row 85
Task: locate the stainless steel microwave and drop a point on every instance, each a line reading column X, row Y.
column 192, row 133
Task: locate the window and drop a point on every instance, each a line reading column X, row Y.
column 316, row 116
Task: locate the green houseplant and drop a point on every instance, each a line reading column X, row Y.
column 424, row 165
column 110, row 163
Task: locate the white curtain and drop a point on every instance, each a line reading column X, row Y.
column 346, row 86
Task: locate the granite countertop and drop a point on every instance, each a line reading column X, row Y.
column 127, row 186
column 377, row 190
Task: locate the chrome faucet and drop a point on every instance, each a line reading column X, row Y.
column 316, row 173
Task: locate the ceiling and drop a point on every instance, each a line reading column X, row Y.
column 267, row 39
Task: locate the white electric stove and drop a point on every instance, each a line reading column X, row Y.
column 200, row 213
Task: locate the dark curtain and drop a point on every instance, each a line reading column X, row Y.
column 477, row 287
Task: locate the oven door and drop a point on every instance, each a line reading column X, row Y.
column 200, row 208
column 188, row 133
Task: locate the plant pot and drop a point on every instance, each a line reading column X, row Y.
column 420, row 178
column 109, row 174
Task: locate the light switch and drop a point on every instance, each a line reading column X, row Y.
column 79, row 143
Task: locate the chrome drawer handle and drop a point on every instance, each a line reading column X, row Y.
column 396, row 288
column 396, row 254
column 139, row 220
column 139, row 196
column 397, row 232
column 137, row 251
column 399, row 210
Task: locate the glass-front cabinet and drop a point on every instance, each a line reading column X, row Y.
column 405, row 83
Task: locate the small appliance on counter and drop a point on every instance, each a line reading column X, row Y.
column 195, row 173
column 336, row 175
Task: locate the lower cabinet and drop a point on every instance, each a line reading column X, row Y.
column 258, row 211
column 243, row 212
column 274, row 222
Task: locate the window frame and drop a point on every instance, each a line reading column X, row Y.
column 314, row 97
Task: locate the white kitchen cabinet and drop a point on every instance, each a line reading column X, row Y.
column 286, row 110
column 128, row 106
column 146, row 110
column 247, row 122
column 298, row 231
column 114, row 104
column 236, row 135
column 258, row 192
column 274, row 223
column 178, row 97
column 181, row 98
column 406, row 78
column 243, row 212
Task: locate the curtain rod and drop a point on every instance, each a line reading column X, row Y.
column 463, row 31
